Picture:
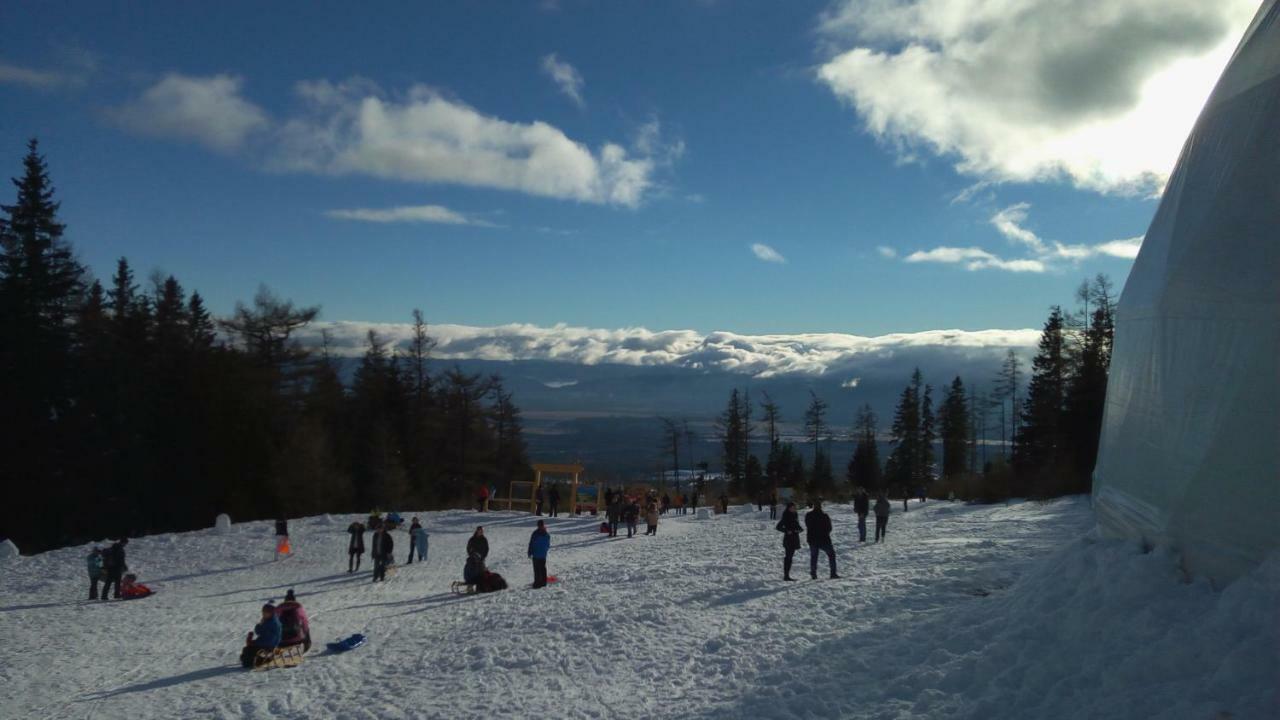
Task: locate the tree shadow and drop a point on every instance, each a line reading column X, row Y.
column 333, row 581
column 193, row 676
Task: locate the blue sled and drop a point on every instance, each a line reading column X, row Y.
column 350, row 643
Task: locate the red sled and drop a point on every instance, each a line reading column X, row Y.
column 604, row 527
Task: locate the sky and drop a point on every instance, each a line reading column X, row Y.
column 858, row 167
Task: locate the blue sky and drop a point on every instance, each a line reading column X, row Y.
column 756, row 167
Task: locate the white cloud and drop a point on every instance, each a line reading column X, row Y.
column 207, row 110
column 408, row 214
column 851, row 383
column 42, row 79
column 1009, row 222
column 756, row 355
column 975, row 258
column 351, row 128
column 566, row 77
column 1126, row 248
column 886, row 251
column 767, row 254
column 1099, row 92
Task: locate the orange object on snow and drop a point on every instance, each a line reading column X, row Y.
column 282, row 545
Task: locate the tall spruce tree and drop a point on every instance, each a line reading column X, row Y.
column 902, row 468
column 1040, row 450
column 864, row 465
column 733, row 442
column 953, row 419
column 41, row 286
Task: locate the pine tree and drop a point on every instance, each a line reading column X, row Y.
column 928, row 436
column 864, row 466
column 902, row 468
column 774, row 468
column 200, row 323
column 953, row 418
column 732, row 441
column 1040, row 450
column 41, row 288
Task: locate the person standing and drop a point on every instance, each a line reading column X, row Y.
column 553, row 496
column 537, row 501
column 773, row 505
column 882, row 516
column 355, row 546
column 817, row 526
column 862, row 506
column 613, row 513
column 539, row 546
column 383, row 547
column 651, row 518
column 282, row 538
column 478, row 543
column 790, row 528
column 113, row 562
column 417, row 541
column 94, row 566
column 482, row 498
column 724, row 503
column 693, row 498
column 905, row 495
column 631, row 513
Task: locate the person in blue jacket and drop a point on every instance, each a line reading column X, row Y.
column 265, row 636
column 94, row 566
column 539, row 546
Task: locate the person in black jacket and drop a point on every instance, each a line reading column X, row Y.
column 478, row 544
column 790, row 528
column 355, row 547
column 537, row 501
column 817, row 526
column 383, row 547
column 773, row 506
column 862, row 506
column 115, row 566
column 553, row 496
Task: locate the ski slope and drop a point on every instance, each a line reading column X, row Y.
column 1000, row 611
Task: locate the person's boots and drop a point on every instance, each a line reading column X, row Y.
column 786, row 570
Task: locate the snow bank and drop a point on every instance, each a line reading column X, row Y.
column 222, row 523
column 8, row 551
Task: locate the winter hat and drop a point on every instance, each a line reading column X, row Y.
column 268, row 608
column 289, row 595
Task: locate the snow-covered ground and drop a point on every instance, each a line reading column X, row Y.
column 966, row 612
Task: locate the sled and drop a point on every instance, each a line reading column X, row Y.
column 349, row 643
column 462, row 588
column 281, row 657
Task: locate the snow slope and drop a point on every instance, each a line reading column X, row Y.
column 967, row 612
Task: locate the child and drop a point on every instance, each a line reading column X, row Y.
column 96, row 572
column 268, row 636
column 131, row 589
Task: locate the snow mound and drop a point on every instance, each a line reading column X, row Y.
column 325, row 519
column 704, row 513
column 223, row 523
column 8, row 551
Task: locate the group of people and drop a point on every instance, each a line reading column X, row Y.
column 383, row 544
column 108, row 566
column 476, row 574
column 622, row 509
column 553, row 501
column 817, row 529
column 282, row 626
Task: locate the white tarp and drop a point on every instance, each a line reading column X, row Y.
column 1190, row 452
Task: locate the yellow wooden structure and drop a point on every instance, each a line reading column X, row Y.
column 573, row 471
